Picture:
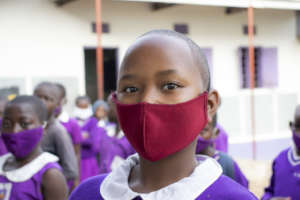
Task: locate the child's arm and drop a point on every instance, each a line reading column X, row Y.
column 239, row 176
column 54, row 185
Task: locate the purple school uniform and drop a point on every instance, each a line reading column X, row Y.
column 89, row 149
column 73, row 129
column 221, row 142
column 15, row 186
column 285, row 180
column 112, row 151
column 223, row 188
column 231, row 168
column 205, row 183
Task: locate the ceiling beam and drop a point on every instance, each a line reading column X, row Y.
column 159, row 6
column 232, row 10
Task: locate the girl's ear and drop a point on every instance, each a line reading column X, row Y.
column 212, row 104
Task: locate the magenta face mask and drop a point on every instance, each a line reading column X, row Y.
column 22, row 143
column 296, row 139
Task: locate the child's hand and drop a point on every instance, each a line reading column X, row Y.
column 85, row 135
column 281, row 198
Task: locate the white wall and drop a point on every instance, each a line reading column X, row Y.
column 39, row 40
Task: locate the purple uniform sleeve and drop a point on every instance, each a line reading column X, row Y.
column 269, row 191
column 239, row 176
column 89, row 189
column 76, row 131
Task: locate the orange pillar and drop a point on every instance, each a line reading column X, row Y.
column 252, row 76
column 100, row 81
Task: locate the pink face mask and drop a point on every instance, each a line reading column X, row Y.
column 159, row 130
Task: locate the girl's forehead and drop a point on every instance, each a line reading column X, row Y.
column 20, row 109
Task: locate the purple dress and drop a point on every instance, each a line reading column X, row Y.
column 112, row 151
column 221, row 142
column 89, row 149
column 24, row 187
column 223, row 188
column 285, row 180
column 73, row 129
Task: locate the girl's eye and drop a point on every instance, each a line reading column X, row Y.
column 25, row 124
column 130, row 89
column 170, row 86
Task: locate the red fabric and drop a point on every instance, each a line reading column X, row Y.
column 159, row 130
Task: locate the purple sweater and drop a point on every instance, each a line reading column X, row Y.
column 222, row 189
column 285, row 180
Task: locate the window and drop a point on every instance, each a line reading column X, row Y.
column 266, row 72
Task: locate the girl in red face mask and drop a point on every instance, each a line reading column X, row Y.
column 163, row 102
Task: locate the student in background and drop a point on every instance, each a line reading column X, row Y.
column 27, row 172
column 205, row 146
column 221, row 141
column 70, row 124
column 114, row 147
column 56, row 140
column 163, row 102
column 285, row 180
column 83, row 109
column 3, row 102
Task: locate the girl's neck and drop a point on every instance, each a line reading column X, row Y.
column 34, row 154
column 151, row 176
column 209, row 151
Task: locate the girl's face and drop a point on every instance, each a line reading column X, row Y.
column 19, row 117
column 157, row 71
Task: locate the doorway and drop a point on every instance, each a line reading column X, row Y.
column 110, row 69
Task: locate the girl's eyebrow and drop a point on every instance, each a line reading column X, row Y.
column 127, row 77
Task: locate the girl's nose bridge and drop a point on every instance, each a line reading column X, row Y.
column 150, row 95
column 17, row 128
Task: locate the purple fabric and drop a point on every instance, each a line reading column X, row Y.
column 22, row 143
column 90, row 148
column 285, row 178
column 74, row 130
column 30, row 189
column 239, row 176
column 70, row 184
column 296, row 139
column 3, row 149
column 110, row 147
column 202, row 144
column 223, row 188
column 221, row 142
column 89, row 167
column 269, row 67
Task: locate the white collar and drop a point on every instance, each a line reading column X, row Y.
column 293, row 156
column 115, row 185
column 27, row 171
column 64, row 117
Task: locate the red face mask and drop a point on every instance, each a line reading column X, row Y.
column 159, row 130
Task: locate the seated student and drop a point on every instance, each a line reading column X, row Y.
column 27, row 172
column 56, row 140
column 221, row 141
column 83, row 109
column 285, row 180
column 3, row 102
column 163, row 102
column 205, row 146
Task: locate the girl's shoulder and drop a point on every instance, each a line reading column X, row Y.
column 34, row 169
column 89, row 189
column 226, row 188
